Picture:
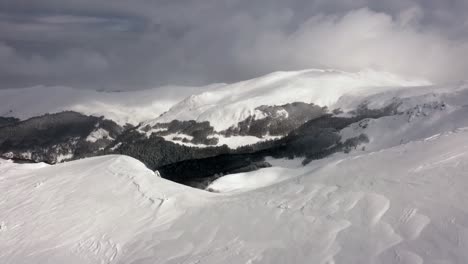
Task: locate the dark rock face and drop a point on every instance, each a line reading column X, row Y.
column 53, row 137
column 276, row 120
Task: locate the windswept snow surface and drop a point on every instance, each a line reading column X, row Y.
column 405, row 204
column 85, row 211
column 227, row 105
column 123, row 107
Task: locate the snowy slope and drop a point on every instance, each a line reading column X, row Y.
column 423, row 111
column 344, row 209
column 426, row 111
column 122, row 107
column 82, row 212
column 282, row 169
column 229, row 104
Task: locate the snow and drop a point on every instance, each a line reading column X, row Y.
column 225, row 106
column 242, row 182
column 11, row 167
column 423, row 116
column 234, row 142
column 84, row 211
column 151, row 131
column 98, row 134
column 116, row 146
column 282, row 113
column 178, row 136
column 282, row 169
column 123, row 107
column 344, row 209
column 178, row 139
column 63, row 157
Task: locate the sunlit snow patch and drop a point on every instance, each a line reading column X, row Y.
column 282, row 169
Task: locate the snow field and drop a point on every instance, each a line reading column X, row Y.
column 344, row 209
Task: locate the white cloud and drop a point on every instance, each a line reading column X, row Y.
column 141, row 44
column 363, row 39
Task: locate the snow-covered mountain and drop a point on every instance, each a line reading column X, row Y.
column 228, row 105
column 344, row 209
column 223, row 105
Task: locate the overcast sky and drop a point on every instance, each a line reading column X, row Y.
column 123, row 44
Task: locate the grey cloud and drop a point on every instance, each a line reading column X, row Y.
column 138, row 44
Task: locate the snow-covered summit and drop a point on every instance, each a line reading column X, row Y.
column 229, row 104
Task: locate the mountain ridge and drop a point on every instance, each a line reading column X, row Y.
column 144, row 105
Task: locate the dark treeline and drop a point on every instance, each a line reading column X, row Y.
column 45, row 138
column 311, row 133
column 5, row 121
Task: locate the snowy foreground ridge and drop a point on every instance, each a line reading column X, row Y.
column 406, row 204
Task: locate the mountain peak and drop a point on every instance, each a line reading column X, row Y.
column 229, row 104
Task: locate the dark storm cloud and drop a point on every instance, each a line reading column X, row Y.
column 122, row 44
